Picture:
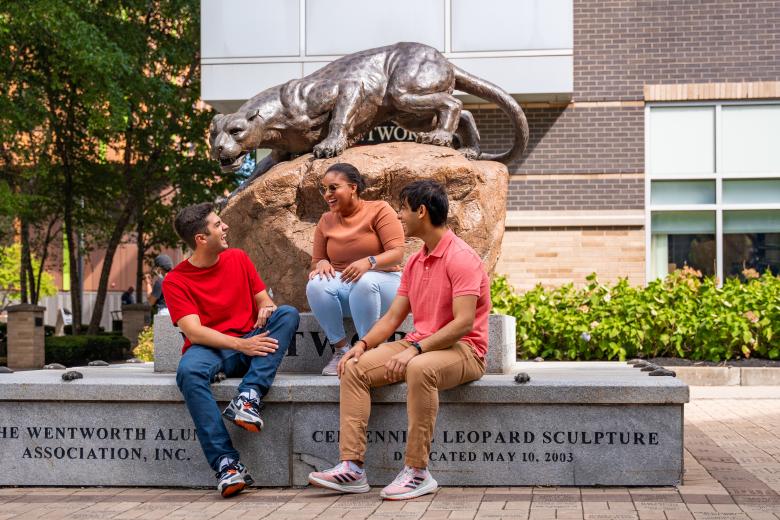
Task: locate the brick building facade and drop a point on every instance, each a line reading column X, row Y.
column 587, row 158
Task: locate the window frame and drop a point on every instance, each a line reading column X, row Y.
column 718, row 207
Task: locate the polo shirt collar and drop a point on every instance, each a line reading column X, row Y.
column 443, row 244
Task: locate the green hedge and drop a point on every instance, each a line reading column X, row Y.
column 683, row 315
column 75, row 350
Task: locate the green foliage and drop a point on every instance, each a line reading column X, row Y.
column 77, row 350
column 145, row 348
column 10, row 264
column 100, row 123
column 683, row 316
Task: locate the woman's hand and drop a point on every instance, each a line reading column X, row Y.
column 355, row 270
column 323, row 268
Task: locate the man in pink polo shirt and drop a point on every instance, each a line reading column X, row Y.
column 446, row 288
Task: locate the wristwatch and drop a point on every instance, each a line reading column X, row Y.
column 417, row 346
column 372, row 261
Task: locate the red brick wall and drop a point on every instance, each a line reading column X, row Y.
column 619, row 45
column 567, row 140
column 541, row 194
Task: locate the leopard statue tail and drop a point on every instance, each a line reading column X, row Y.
column 490, row 92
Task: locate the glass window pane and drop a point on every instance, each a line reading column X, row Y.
column 682, row 192
column 754, row 221
column 682, row 140
column 751, row 240
column 753, row 191
column 751, row 135
column 682, row 238
column 681, row 222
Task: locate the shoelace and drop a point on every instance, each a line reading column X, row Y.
column 406, row 473
column 341, row 468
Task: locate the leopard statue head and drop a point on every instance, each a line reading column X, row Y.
column 233, row 136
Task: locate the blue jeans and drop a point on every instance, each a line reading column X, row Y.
column 200, row 364
column 365, row 301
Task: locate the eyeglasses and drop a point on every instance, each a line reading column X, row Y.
column 331, row 189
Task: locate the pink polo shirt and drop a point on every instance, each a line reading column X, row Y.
column 432, row 281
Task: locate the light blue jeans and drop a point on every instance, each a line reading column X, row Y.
column 365, row 301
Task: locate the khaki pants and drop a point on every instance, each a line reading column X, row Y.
column 426, row 374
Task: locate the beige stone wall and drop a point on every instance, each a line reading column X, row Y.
column 26, row 347
column 134, row 318
column 556, row 256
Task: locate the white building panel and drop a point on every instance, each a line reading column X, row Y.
column 338, row 27
column 524, row 46
column 227, row 86
column 506, row 25
column 243, row 28
column 523, row 74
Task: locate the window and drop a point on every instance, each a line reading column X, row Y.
column 712, row 187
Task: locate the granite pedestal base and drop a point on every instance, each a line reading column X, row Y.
column 312, row 351
column 126, row 425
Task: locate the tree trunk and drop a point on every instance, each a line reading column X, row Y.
column 44, row 256
column 113, row 244
column 141, row 246
column 73, row 256
column 24, row 233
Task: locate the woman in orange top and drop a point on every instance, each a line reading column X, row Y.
column 355, row 270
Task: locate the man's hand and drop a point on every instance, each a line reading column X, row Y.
column 263, row 314
column 323, row 268
column 395, row 368
column 260, row 345
column 355, row 270
column 352, row 354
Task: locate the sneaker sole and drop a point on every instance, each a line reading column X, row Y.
column 424, row 490
column 363, row 488
column 247, row 425
column 233, row 489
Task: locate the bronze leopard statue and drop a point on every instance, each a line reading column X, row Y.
column 327, row 111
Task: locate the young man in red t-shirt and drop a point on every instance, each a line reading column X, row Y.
column 446, row 288
column 230, row 325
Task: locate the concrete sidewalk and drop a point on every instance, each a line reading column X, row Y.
column 732, row 471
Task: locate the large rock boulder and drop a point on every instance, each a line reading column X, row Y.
column 273, row 219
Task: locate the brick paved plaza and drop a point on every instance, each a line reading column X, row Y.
column 732, row 471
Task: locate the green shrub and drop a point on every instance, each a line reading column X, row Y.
column 145, row 348
column 683, row 315
column 76, row 350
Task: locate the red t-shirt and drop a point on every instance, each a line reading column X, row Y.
column 431, row 280
column 221, row 295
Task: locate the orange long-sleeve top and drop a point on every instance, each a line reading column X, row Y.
column 371, row 230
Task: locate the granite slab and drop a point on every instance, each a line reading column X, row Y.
column 312, row 350
column 126, row 444
column 126, row 425
column 618, row 384
column 506, row 444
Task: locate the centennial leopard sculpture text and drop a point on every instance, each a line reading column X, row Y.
column 327, row 111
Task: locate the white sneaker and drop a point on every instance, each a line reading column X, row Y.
column 341, row 478
column 331, row 369
column 410, row 483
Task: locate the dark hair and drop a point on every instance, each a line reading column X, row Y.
column 430, row 194
column 351, row 173
column 192, row 220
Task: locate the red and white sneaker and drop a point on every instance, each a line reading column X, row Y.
column 341, row 478
column 410, row 483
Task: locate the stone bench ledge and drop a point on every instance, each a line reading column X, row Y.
column 615, row 384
